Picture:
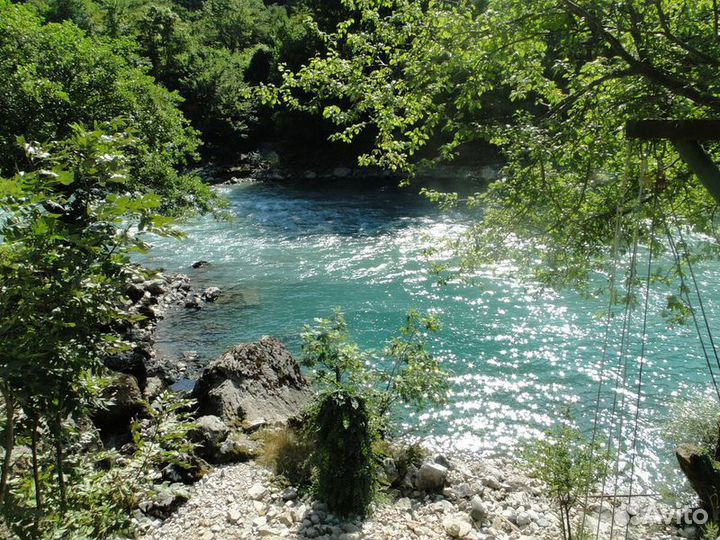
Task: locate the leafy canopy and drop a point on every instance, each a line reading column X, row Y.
column 551, row 83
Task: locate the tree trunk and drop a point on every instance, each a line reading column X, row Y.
column 59, row 464
column 9, row 440
column 700, row 471
column 36, row 473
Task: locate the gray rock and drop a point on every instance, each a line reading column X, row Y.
column 257, row 492
column 478, row 512
column 253, row 384
column 125, row 403
column 233, row 516
column 456, row 527
column 431, row 477
column 211, row 432
column 211, row 294
column 238, row 447
column 290, row 494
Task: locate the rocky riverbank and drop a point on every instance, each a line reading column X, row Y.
column 256, row 387
column 479, row 500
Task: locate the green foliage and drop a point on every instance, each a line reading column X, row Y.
column 694, row 420
column 343, row 452
column 551, row 84
column 66, row 229
column 711, row 531
column 104, row 488
column 569, row 466
column 351, row 411
column 406, row 372
column 53, row 76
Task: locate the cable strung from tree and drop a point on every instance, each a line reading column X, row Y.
column 684, row 290
column 641, row 361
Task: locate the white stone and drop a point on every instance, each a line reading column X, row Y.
column 257, row 491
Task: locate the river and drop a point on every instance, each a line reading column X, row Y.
column 518, row 352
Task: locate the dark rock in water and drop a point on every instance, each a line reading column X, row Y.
column 125, row 403
column 135, row 292
column 156, row 287
column 211, row 294
column 193, row 302
column 200, row 264
column 253, row 385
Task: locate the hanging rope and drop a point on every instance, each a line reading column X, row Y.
column 606, row 340
column 623, row 359
column 641, row 360
column 684, row 290
column 697, row 293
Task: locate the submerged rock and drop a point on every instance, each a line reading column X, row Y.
column 253, row 385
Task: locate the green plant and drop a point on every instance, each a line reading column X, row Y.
column 104, row 488
column 357, row 393
column 288, row 452
column 343, row 453
column 569, row 467
column 405, row 373
column 694, row 419
column 711, row 531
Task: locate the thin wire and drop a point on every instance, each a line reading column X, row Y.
column 684, row 290
column 624, row 348
column 626, row 177
column 606, row 340
column 697, row 293
column 641, row 362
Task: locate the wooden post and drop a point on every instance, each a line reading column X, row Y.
column 685, row 136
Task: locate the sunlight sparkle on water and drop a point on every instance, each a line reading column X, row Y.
column 518, row 352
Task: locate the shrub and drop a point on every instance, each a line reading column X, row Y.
column 288, row 452
column 694, row 420
column 569, row 466
column 53, row 76
column 104, row 488
column 357, row 394
column 344, row 457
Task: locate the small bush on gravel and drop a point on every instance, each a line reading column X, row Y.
column 357, row 394
column 344, row 457
column 288, row 452
column 569, row 466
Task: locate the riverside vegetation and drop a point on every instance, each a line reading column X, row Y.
column 106, row 105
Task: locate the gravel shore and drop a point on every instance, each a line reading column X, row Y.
column 483, row 500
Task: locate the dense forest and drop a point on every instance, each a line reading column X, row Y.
column 109, row 108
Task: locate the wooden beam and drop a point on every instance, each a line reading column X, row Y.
column 701, row 165
column 688, row 130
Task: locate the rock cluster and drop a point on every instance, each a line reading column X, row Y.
column 152, row 298
column 480, row 499
column 253, row 385
column 141, row 375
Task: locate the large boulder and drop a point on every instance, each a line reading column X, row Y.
column 703, row 476
column 123, row 403
column 253, row 385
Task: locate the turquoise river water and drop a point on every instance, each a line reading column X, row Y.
column 518, row 352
